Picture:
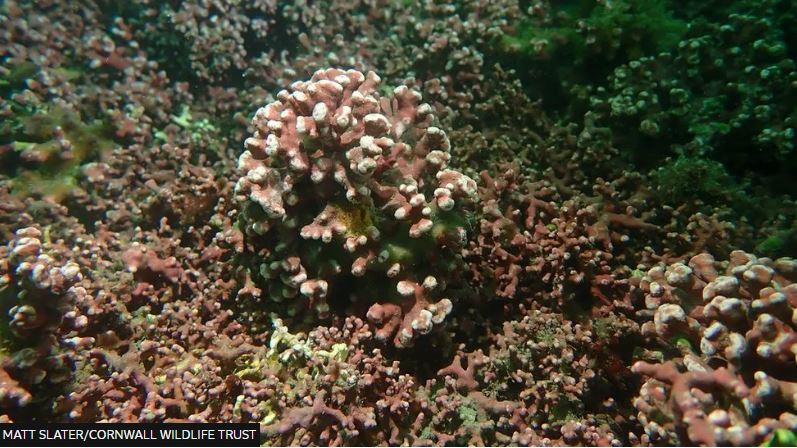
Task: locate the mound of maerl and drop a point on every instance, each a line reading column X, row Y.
column 346, row 203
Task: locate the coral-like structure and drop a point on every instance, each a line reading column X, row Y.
column 340, row 183
column 573, row 297
column 36, row 291
column 212, row 33
column 518, row 407
column 736, row 323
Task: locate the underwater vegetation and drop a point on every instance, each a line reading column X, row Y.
column 389, row 222
column 47, row 148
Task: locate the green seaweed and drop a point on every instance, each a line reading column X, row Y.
column 54, row 172
column 780, row 244
column 693, row 178
column 781, row 437
column 565, row 410
column 587, row 38
column 14, row 77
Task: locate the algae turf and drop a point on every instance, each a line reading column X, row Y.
column 49, row 148
column 693, row 178
column 585, row 40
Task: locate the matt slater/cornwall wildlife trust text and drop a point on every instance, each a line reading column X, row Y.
column 88, row 435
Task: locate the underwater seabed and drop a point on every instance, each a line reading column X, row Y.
column 387, row 222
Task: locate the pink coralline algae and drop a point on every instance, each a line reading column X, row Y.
column 200, row 222
column 342, row 188
column 39, row 285
column 737, row 323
